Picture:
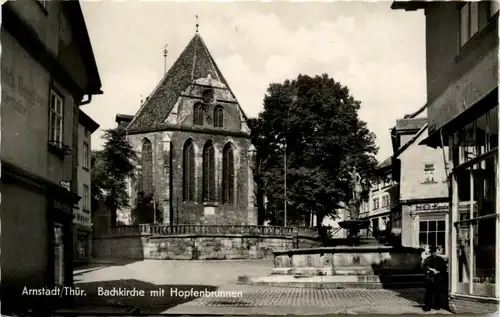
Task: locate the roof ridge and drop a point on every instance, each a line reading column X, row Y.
column 193, row 63
column 212, row 62
column 147, row 98
column 410, row 142
column 194, row 56
column 223, row 80
column 164, row 77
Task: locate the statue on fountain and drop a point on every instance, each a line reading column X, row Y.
column 356, row 194
column 353, row 225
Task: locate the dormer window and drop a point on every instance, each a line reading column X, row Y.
column 218, row 116
column 198, row 114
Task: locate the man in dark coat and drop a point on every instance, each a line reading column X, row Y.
column 435, row 274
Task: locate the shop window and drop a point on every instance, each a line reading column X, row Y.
column 476, row 228
column 476, row 138
column 433, row 232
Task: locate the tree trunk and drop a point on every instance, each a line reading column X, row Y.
column 112, row 210
column 319, row 220
column 261, row 206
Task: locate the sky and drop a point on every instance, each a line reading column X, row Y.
column 378, row 53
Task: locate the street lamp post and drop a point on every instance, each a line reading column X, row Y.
column 284, row 180
column 252, row 154
column 294, row 98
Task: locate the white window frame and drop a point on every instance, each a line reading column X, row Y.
column 468, row 22
column 436, row 231
column 429, row 173
column 86, row 155
column 56, row 108
column 471, row 17
column 86, row 197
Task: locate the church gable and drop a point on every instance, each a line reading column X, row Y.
column 175, row 100
column 207, row 104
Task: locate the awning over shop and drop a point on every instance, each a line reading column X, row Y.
column 435, row 138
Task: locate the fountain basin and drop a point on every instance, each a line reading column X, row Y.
column 354, row 224
column 368, row 266
column 348, row 260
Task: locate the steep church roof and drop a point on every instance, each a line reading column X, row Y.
column 194, row 63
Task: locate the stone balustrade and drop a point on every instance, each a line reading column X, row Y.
column 158, row 241
column 166, row 230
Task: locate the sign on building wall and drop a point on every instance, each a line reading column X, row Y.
column 431, row 207
column 439, row 206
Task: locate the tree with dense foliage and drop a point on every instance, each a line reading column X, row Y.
column 144, row 208
column 315, row 120
column 258, row 176
column 111, row 168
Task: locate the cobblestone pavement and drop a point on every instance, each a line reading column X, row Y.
column 302, row 301
column 184, row 276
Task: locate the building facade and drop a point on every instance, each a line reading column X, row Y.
column 193, row 143
column 48, row 72
column 380, row 201
column 423, row 188
column 462, row 93
column 82, row 212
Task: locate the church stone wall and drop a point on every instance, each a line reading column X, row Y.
column 168, row 146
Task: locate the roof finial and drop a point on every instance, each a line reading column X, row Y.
column 165, row 53
column 197, row 23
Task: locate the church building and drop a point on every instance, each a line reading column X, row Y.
column 193, row 145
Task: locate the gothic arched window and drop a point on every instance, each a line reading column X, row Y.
column 208, row 172
column 219, row 117
column 188, row 171
column 147, row 167
column 228, row 175
column 198, row 114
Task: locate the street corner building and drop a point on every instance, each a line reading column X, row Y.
column 193, row 144
column 462, row 105
column 48, row 72
column 82, row 220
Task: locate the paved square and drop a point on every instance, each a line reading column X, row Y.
column 220, row 277
column 277, row 300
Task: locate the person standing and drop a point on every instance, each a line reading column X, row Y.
column 435, row 274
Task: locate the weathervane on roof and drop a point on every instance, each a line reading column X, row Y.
column 197, row 23
column 165, row 52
